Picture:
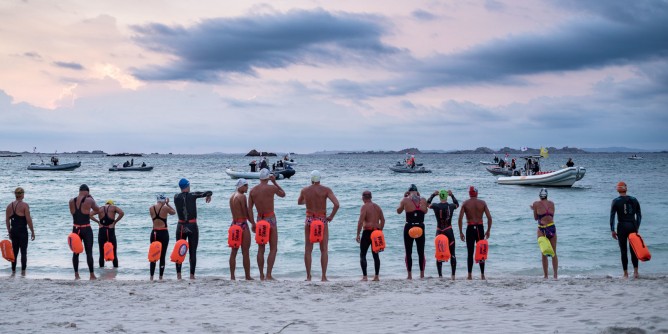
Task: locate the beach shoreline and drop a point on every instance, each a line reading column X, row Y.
column 218, row 305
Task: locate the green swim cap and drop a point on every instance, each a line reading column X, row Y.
column 443, row 194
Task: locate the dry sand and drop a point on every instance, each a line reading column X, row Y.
column 217, row 305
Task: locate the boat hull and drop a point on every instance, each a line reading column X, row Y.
column 131, row 169
column 280, row 174
column 62, row 167
column 416, row 170
column 496, row 170
column 562, row 178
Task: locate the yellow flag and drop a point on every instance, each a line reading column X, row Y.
column 543, row 152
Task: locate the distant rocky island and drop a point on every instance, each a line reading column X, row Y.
column 254, row 153
column 125, row 155
column 479, row 150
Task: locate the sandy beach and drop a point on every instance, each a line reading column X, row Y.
column 217, row 305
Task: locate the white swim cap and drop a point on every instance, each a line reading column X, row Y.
column 315, row 176
column 242, row 182
column 264, row 174
column 161, row 198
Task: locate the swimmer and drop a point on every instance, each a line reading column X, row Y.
column 107, row 228
column 159, row 213
column 444, row 212
column 371, row 219
column 315, row 198
column 543, row 213
column 240, row 217
column 262, row 197
column 628, row 213
column 19, row 220
column 186, row 208
column 474, row 208
column 415, row 207
column 81, row 208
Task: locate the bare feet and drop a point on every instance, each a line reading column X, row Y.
column 23, row 273
column 178, row 276
column 626, row 275
column 308, row 278
column 269, row 278
column 192, row 276
column 151, row 278
column 482, row 277
column 324, row 278
column 469, row 277
column 376, row 278
column 160, row 278
column 410, row 275
column 364, row 278
column 452, row 277
column 261, row 277
column 422, row 274
column 92, row 277
column 233, row 278
column 13, row 274
column 248, row 278
column 76, row 276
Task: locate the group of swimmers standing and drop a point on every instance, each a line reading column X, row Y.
column 260, row 199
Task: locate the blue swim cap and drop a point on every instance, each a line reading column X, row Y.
column 184, row 183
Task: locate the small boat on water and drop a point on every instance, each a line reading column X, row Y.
column 488, row 162
column 406, row 169
column 131, row 169
column 51, row 166
column 496, row 170
column 290, row 163
column 634, row 157
column 565, row 177
column 279, row 173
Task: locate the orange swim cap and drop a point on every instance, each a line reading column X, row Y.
column 621, row 187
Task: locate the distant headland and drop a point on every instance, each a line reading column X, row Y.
column 487, row 150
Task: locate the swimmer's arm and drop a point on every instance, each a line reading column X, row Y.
column 249, row 209
column 612, row 216
column 400, row 209
column 71, row 207
column 279, row 191
column 120, row 215
column 335, row 201
column 382, row 218
column 94, row 206
column 431, row 197
column 92, row 216
column 29, row 221
column 423, row 203
column 360, row 222
column 454, row 200
column 300, row 200
column 459, row 221
column 638, row 214
column 200, row 194
column 7, row 215
column 170, row 210
column 489, row 220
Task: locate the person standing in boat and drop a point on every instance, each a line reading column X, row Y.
column 253, row 166
column 263, row 163
column 18, row 220
column 627, row 209
column 107, row 219
column 570, row 162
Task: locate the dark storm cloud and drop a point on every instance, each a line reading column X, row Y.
column 579, row 44
column 71, row 66
column 213, row 47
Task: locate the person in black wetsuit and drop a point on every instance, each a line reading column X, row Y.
column 570, row 162
column 81, row 208
column 107, row 229
column 186, row 207
column 159, row 213
column 415, row 207
column 371, row 219
column 444, row 212
column 253, row 166
column 18, row 221
column 628, row 213
column 263, row 163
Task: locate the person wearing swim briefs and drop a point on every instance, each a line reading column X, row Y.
column 627, row 209
column 444, row 212
column 416, row 207
column 159, row 213
column 19, row 220
column 315, row 198
column 543, row 213
column 261, row 197
column 474, row 208
column 106, row 222
column 371, row 219
column 81, row 208
column 240, row 217
column 186, row 208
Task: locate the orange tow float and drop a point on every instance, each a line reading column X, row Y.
column 179, row 252
column 262, row 232
column 154, row 251
column 74, row 241
column 442, row 246
column 7, row 251
column 317, row 231
column 377, row 241
column 639, row 248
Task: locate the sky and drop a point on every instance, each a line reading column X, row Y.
column 304, row 76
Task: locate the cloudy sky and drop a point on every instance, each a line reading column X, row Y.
column 304, row 76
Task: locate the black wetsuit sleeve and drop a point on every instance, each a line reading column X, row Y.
column 613, row 210
column 200, row 194
column 454, row 201
column 638, row 214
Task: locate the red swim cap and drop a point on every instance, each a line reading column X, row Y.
column 473, row 191
column 621, row 187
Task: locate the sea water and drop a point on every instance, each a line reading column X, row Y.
column 585, row 245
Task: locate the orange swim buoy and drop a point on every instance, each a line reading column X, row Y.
column 108, row 251
column 235, row 236
column 317, row 231
column 179, row 252
column 481, row 249
column 7, row 251
column 377, row 241
column 415, row 232
column 442, row 245
column 74, row 241
column 154, row 251
column 639, row 248
column 262, row 232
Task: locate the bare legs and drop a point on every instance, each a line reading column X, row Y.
column 308, row 249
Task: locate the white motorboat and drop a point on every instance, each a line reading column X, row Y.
column 280, row 173
column 565, row 177
column 488, row 162
column 406, row 169
column 635, row 157
column 43, row 166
